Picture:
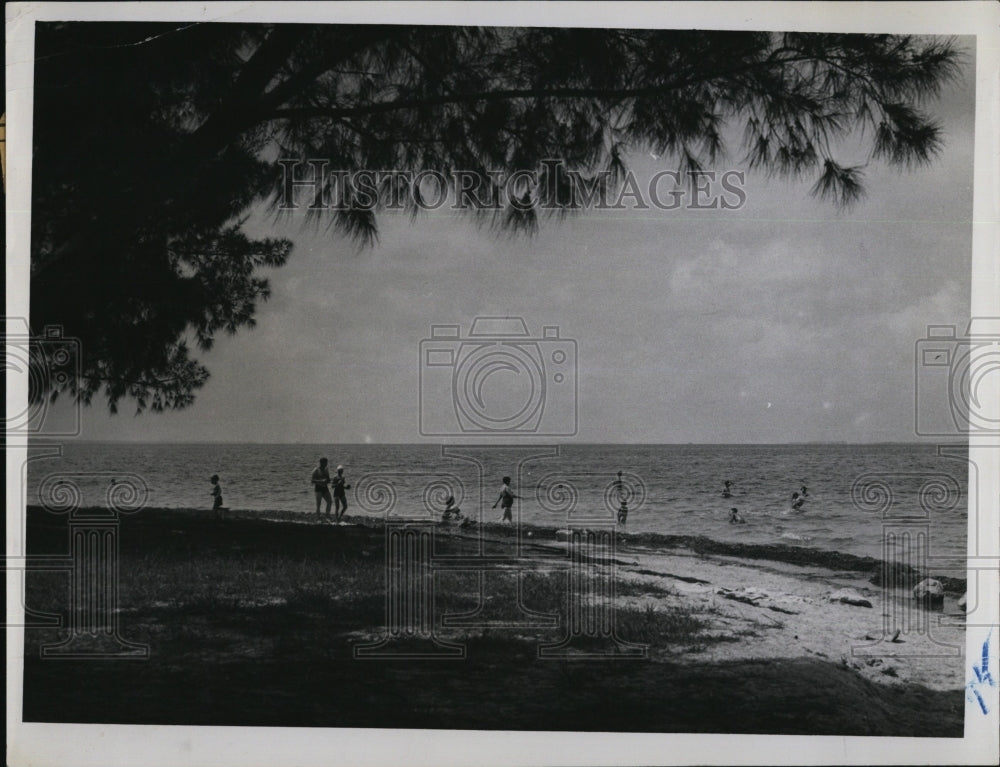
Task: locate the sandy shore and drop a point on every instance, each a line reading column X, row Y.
column 788, row 607
column 785, row 608
column 283, row 600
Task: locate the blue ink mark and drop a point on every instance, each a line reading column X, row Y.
column 983, row 676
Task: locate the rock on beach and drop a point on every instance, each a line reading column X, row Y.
column 849, row 597
column 929, row 592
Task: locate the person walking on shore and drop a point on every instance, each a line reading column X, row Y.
column 321, row 486
column 506, row 501
column 217, row 506
column 340, row 489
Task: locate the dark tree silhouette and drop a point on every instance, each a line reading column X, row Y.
column 151, row 141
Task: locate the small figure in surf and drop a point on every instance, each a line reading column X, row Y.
column 803, row 492
column 727, row 490
column 797, row 502
column 340, row 488
column 506, row 501
column 450, row 510
column 216, row 494
column 321, row 485
column 735, row 518
column 623, row 513
column 623, row 506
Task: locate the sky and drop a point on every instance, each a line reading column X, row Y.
column 787, row 320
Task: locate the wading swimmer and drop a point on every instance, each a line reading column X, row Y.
column 623, row 501
column 623, row 513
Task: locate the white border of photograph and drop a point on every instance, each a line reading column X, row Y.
column 71, row 744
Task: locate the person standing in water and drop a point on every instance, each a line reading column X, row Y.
column 622, row 514
column 340, row 489
column 321, row 485
column 727, row 491
column 506, row 501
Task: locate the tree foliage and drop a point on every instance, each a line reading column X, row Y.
column 152, row 141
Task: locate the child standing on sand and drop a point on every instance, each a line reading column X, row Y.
column 506, row 501
column 340, row 488
column 216, row 493
column 450, row 510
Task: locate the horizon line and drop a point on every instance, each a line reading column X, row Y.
column 463, row 443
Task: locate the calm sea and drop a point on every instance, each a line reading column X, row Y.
column 675, row 489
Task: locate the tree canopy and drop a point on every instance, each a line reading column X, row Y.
column 152, row 142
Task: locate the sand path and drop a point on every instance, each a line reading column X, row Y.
column 780, row 610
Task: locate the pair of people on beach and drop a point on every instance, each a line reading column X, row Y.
column 322, row 482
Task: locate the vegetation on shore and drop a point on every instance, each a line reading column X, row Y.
column 253, row 622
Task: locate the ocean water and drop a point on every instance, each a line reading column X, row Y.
column 856, row 492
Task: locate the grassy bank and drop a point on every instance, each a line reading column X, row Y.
column 253, row 622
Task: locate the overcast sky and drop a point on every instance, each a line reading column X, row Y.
column 784, row 321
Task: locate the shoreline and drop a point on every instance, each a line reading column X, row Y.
column 805, row 556
column 257, row 592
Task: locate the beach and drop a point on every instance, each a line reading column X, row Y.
column 271, row 618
